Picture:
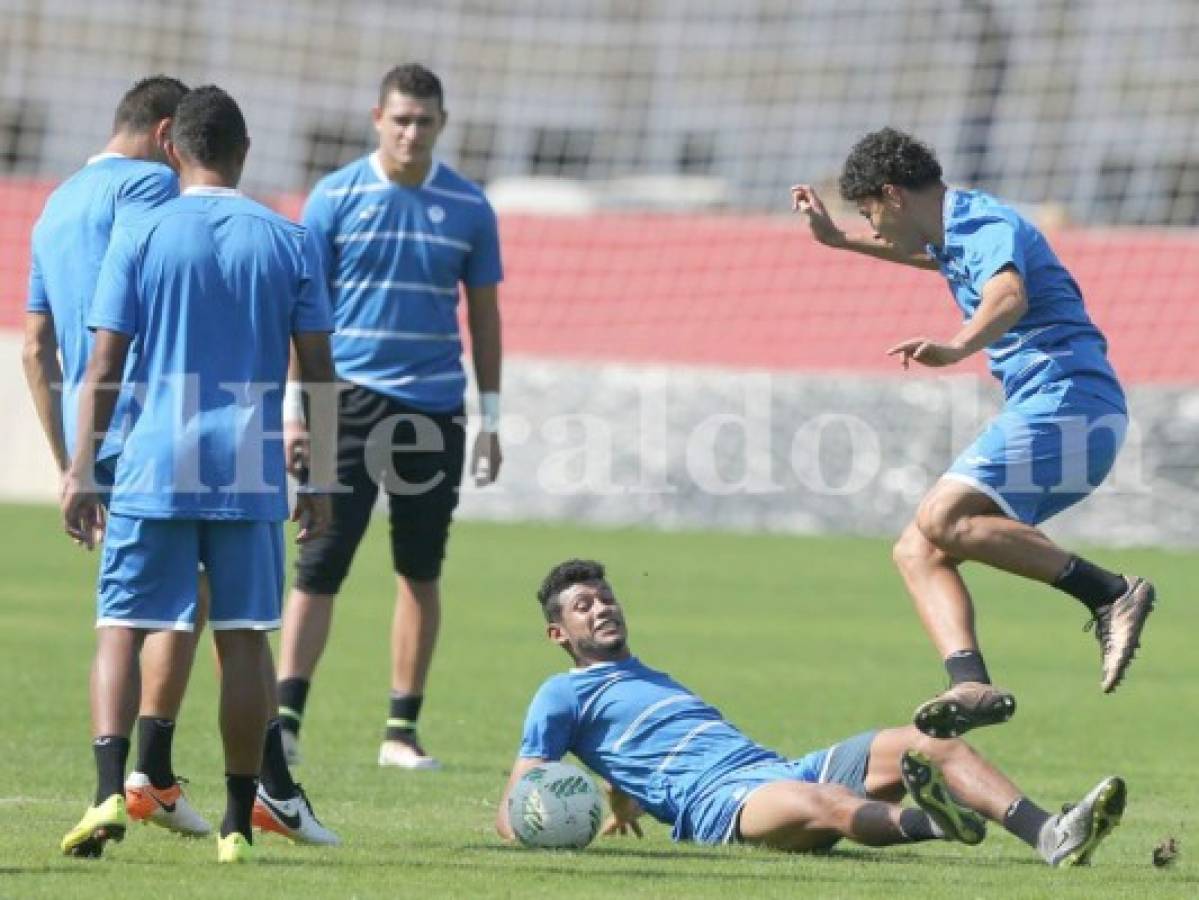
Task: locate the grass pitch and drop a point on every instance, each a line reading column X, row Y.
column 799, row 641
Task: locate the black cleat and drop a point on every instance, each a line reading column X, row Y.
column 967, row 705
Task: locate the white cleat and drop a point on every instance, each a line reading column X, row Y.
column 166, row 807
column 403, row 755
column 292, row 819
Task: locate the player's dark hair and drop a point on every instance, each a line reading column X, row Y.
column 412, row 80
column 562, row 576
column 210, row 128
column 887, row 157
column 147, row 103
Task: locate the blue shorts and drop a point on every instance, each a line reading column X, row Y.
column 1043, row 454
column 712, row 819
column 148, row 573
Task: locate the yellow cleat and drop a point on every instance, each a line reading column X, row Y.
column 234, row 848
column 99, row 825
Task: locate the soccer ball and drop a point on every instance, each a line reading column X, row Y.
column 555, row 805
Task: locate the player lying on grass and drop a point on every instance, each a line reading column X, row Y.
column 663, row 750
column 1063, row 420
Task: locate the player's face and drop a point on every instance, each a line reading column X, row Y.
column 408, row 129
column 591, row 623
column 888, row 218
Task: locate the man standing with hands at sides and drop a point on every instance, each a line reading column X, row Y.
column 399, row 232
column 203, row 297
column 1056, row 439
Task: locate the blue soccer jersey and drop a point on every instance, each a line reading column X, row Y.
column 68, row 245
column 211, row 286
column 1055, row 341
column 395, row 257
column 643, row 732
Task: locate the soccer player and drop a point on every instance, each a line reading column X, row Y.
column 400, row 232
column 130, row 177
column 196, row 305
column 1056, row 439
column 663, row 750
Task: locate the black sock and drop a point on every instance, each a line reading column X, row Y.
column 1025, row 820
column 154, row 738
column 966, row 665
column 239, row 805
column 111, row 752
column 276, row 776
column 293, row 694
column 404, row 710
column 917, row 825
column 1092, row 586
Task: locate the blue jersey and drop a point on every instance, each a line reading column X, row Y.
column 211, row 287
column 395, row 257
column 67, row 247
column 1055, row 341
column 642, row 731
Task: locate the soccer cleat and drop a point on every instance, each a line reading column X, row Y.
column 100, row 824
column 1070, row 839
column 406, row 755
column 291, row 746
column 967, row 705
column 927, row 787
column 234, row 848
column 292, row 819
column 167, row 807
column 1118, row 629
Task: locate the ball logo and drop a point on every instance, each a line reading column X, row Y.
column 436, row 215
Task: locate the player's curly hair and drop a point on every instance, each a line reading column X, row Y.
column 887, row 157
column 562, row 576
column 412, row 80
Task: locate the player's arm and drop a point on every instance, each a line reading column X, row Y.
column 483, row 319
column 503, row 827
column 82, row 516
column 1004, row 303
column 313, row 360
column 623, row 812
column 805, row 200
column 43, row 374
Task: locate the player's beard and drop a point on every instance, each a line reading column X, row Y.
column 592, row 647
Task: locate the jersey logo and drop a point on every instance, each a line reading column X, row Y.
column 436, row 214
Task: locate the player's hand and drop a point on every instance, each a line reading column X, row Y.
column 82, row 512
column 295, row 447
column 927, row 353
column 486, row 458
column 624, row 814
column 804, row 199
column 314, row 512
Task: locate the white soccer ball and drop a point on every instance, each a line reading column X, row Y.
column 555, row 805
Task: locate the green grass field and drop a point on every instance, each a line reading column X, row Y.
column 799, row 641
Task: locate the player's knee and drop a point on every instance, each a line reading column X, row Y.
column 940, row 524
column 913, row 548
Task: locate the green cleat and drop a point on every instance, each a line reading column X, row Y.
column 927, row 786
column 99, row 825
column 234, row 848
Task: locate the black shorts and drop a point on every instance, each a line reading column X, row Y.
column 417, row 458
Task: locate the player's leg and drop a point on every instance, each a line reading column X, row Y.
column 152, row 791
column 798, row 816
column 324, row 563
column 423, row 493
column 943, row 776
column 136, row 592
column 281, row 806
column 244, row 561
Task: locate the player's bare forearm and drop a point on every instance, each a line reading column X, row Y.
column 868, row 246
column 1004, row 303
column 43, row 374
column 486, row 335
column 314, row 361
column 503, row 827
